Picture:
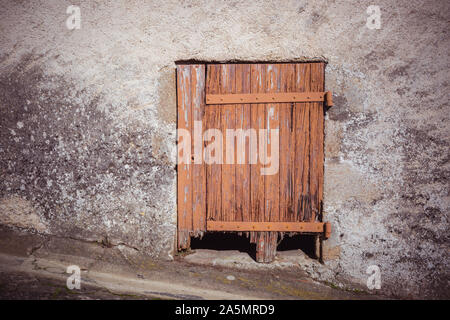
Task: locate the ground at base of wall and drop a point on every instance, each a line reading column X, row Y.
column 34, row 266
column 242, row 260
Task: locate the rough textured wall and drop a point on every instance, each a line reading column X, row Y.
column 87, row 132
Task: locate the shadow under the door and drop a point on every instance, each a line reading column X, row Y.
column 223, row 241
column 304, row 242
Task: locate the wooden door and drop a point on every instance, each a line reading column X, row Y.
column 254, row 162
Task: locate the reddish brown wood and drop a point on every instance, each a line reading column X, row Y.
column 258, row 121
column 213, row 170
column 227, row 83
column 232, row 192
column 184, row 169
column 316, row 142
column 273, row 97
column 266, row 246
column 266, row 249
column 321, row 139
column 287, row 146
column 272, row 113
column 328, row 98
column 313, row 227
column 301, row 127
column 242, row 147
column 198, row 166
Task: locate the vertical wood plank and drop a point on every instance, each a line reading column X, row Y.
column 257, row 122
column 272, row 114
column 213, row 170
column 242, row 149
column 256, row 180
column 198, row 167
column 321, row 135
column 184, row 185
column 265, row 241
column 316, row 146
column 266, row 246
column 313, row 150
column 228, row 115
column 287, row 148
column 301, row 128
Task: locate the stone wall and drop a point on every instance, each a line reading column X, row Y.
column 87, row 133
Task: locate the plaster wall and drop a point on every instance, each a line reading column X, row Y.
column 88, row 120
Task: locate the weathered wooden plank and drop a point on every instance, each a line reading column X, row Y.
column 316, row 151
column 313, row 149
column 312, row 227
column 184, row 177
column 266, row 245
column 257, row 122
column 272, row 150
column 272, row 180
column 238, row 179
column 242, row 147
column 265, row 241
column 275, row 97
column 321, row 136
column 302, row 201
column 198, row 166
column 256, row 180
column 287, row 147
column 228, row 116
column 316, row 146
column 213, row 156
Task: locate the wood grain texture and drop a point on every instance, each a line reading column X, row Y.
column 272, row 146
column 234, row 189
column 243, row 123
column 184, row 175
column 256, row 179
column 316, row 145
column 287, row 146
column 274, row 97
column 213, row 170
column 258, row 121
column 266, row 226
column 266, row 246
column 228, row 115
column 198, row 167
column 302, row 141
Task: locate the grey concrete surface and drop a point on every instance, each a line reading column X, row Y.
column 88, row 125
column 37, row 269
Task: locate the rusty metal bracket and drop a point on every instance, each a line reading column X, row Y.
column 313, row 227
column 285, row 97
column 327, row 230
column 329, row 99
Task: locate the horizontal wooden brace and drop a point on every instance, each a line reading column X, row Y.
column 316, row 227
column 285, row 97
